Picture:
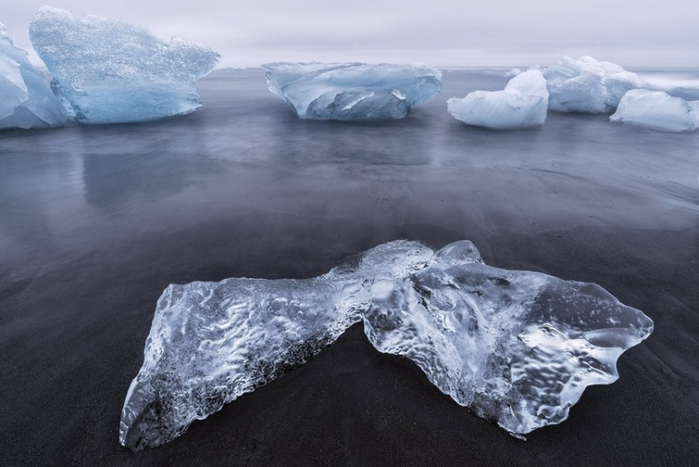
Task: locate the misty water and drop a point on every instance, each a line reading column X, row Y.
column 95, row 221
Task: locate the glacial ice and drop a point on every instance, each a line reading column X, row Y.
column 26, row 99
column 588, row 85
column 110, row 71
column 657, row 110
column 352, row 91
column 517, row 347
column 523, row 104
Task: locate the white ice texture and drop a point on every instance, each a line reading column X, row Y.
column 516, row 347
column 523, row 104
column 111, row 71
column 352, row 91
column 657, row 110
column 26, row 99
column 588, row 85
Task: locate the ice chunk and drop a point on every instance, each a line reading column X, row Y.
column 523, row 104
column 588, row 85
column 352, row 91
column 517, row 347
column 26, row 99
column 113, row 72
column 212, row 342
column 657, row 110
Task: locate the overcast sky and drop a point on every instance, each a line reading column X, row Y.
column 442, row 33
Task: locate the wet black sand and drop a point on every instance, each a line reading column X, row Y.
column 96, row 221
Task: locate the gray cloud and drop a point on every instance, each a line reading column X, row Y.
column 439, row 32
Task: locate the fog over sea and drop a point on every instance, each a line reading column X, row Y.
column 95, row 221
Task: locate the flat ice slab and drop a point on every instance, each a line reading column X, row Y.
column 111, row 71
column 588, row 85
column 657, row 110
column 352, row 91
column 517, row 347
column 523, row 104
column 26, row 99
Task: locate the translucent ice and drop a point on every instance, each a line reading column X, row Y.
column 657, row 110
column 212, row 342
column 112, row 72
column 587, row 85
column 523, row 104
column 517, row 347
column 352, row 91
column 26, row 99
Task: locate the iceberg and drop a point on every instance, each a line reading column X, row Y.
column 352, row 91
column 657, row 110
column 27, row 100
column 588, row 85
column 111, row 71
column 523, row 104
column 517, row 347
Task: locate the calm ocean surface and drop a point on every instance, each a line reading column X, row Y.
column 96, row 221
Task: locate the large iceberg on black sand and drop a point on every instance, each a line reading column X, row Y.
column 111, row 71
column 352, row 91
column 517, row 347
column 26, row 99
column 657, row 110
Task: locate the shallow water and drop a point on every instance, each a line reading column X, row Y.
column 96, row 221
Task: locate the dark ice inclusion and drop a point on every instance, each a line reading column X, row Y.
column 516, row 347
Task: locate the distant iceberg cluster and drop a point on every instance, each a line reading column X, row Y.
column 110, row 71
column 26, row 99
column 523, row 104
column 352, row 91
column 516, row 347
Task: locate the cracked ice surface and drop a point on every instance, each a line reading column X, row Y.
column 588, row 85
column 352, row 91
column 516, row 347
column 27, row 100
column 111, row 71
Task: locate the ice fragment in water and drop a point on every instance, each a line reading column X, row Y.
column 657, row 110
column 517, row 347
column 588, row 85
column 26, row 99
column 523, row 104
column 113, row 72
column 352, row 91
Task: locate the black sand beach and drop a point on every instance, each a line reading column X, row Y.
column 96, row 221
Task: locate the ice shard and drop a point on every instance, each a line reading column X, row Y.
column 588, row 85
column 523, row 104
column 26, row 99
column 657, row 110
column 111, row 71
column 517, row 347
column 352, row 91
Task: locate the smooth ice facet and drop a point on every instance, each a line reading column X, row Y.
column 110, row 71
column 588, row 85
column 352, row 91
column 657, row 110
column 26, row 99
column 523, row 104
column 517, row 347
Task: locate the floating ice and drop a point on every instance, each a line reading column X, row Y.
column 113, row 72
column 587, row 85
column 657, row 110
column 26, row 100
column 523, row 104
column 517, row 347
column 352, row 91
